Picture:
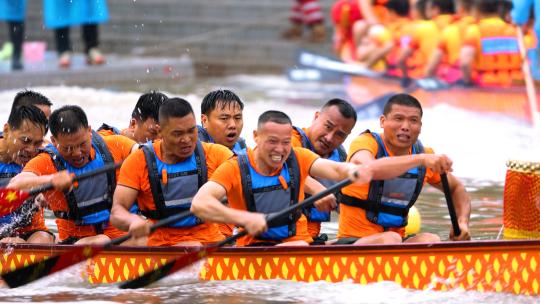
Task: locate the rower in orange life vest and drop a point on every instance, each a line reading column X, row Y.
column 444, row 62
column 270, row 178
column 424, row 38
column 82, row 210
column 31, row 98
column 222, row 123
column 377, row 212
column 222, row 120
column 490, row 55
column 163, row 177
column 143, row 123
column 383, row 44
column 329, row 129
column 373, row 13
column 19, row 142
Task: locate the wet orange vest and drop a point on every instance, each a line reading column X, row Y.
column 498, row 61
column 451, row 43
column 420, row 36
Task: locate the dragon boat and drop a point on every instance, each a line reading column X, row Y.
column 509, row 266
column 368, row 90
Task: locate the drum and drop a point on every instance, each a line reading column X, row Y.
column 521, row 215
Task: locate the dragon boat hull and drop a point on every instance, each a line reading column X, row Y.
column 490, row 266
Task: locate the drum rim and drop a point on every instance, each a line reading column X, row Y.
column 523, row 166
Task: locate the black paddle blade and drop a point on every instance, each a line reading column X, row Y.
column 30, row 273
column 40, row 269
column 167, row 269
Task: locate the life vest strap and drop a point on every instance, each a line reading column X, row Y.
column 155, row 185
column 373, row 206
column 101, row 147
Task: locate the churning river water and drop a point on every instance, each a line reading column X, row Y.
column 479, row 145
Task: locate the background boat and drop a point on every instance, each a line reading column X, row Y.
column 370, row 89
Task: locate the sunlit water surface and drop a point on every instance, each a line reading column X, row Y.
column 479, row 145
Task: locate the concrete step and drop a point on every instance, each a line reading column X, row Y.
column 131, row 70
column 217, row 10
column 219, row 32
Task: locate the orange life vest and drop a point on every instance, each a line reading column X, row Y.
column 497, row 61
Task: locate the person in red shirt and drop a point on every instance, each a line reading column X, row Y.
column 306, row 13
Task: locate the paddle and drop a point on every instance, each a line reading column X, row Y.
column 529, row 83
column 298, row 74
column 187, row 259
column 450, row 204
column 11, row 199
column 324, row 63
column 77, row 254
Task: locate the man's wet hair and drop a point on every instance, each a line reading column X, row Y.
column 33, row 114
column 174, row 107
column 402, row 100
column 506, row 6
column 400, row 7
column 345, row 108
column 67, row 120
column 148, row 106
column 224, row 98
column 274, row 116
column 30, row 98
column 466, row 4
column 420, row 6
column 444, row 6
column 488, row 6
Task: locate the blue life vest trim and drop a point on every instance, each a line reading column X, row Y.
column 99, row 213
column 499, row 45
column 338, row 155
column 107, row 127
column 162, row 211
column 282, row 228
column 390, row 214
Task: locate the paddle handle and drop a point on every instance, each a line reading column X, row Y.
column 270, row 218
column 450, row 204
column 308, row 201
column 164, row 222
column 529, row 82
column 49, row 186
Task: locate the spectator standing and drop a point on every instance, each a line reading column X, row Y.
column 306, row 13
column 60, row 15
column 13, row 12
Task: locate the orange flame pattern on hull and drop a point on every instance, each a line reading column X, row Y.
column 516, row 272
column 511, row 267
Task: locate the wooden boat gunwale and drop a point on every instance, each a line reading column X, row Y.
column 518, row 244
